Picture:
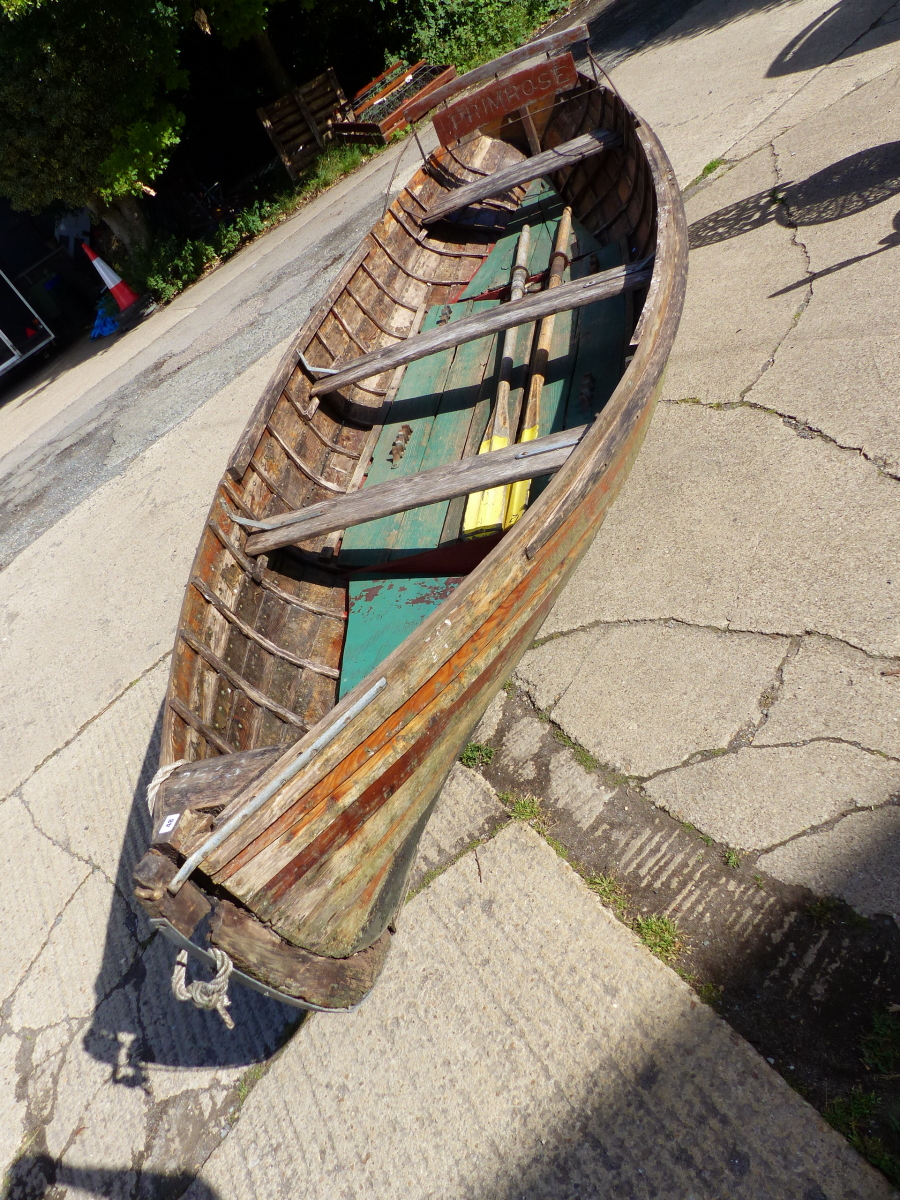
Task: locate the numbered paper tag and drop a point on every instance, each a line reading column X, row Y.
column 169, row 823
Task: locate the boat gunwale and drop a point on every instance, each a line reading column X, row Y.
column 580, row 473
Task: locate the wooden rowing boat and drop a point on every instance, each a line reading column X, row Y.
column 339, row 638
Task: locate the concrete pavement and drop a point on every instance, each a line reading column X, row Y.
column 718, row 655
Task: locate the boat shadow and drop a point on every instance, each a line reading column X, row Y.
column 37, row 1175
column 137, row 1024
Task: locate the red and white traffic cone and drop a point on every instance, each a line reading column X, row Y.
column 123, row 294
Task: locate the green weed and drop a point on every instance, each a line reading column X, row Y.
column 525, row 808
column 731, row 858
column 881, row 1046
column 760, row 882
column 476, row 755
column 582, row 757
column 660, row 935
column 611, row 892
column 823, row 910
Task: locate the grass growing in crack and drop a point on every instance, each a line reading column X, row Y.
column 557, row 846
column 709, row 993
column 582, row 757
column 731, row 858
column 509, row 687
column 704, row 837
column 823, row 910
column 611, row 892
column 760, row 882
column 526, row 808
column 881, row 1046
column 249, row 1080
column 848, row 1115
column 706, row 172
column 660, row 935
column 476, row 754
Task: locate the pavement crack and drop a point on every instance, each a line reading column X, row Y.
column 86, row 725
column 837, row 741
column 825, row 826
column 772, row 693
column 802, row 428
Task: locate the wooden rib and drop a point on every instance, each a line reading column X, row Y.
column 346, row 328
column 233, row 495
column 390, row 295
column 460, row 478
column 206, row 732
column 371, row 317
column 249, row 632
column 319, row 434
column 567, row 154
column 298, row 462
column 419, row 235
column 254, row 571
column 270, row 483
column 576, row 294
column 252, row 693
column 412, row 275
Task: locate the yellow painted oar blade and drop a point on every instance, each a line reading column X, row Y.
column 519, row 492
column 484, row 510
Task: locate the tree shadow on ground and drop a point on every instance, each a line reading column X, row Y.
column 35, row 1176
column 137, row 1021
column 814, row 46
column 844, row 188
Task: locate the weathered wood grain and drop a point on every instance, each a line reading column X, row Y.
column 560, row 157
column 324, row 858
column 576, row 294
column 440, row 483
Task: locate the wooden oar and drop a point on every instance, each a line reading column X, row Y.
column 484, row 510
column 531, row 411
column 575, row 294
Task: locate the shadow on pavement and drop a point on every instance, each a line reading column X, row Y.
column 815, row 45
column 36, row 1176
column 850, row 186
column 137, row 1020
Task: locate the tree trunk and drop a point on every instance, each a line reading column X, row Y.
column 273, row 64
column 126, row 219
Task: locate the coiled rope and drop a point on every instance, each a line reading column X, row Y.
column 209, row 994
column 160, row 778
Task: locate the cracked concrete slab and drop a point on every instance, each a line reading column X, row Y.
column 523, row 1043
column 60, row 984
column 46, row 879
column 92, row 604
column 857, row 860
column 741, row 262
column 641, row 697
column 831, row 690
column 717, row 75
column 838, row 370
column 729, row 519
column 12, row 1108
column 89, row 798
column 755, row 798
column 467, row 809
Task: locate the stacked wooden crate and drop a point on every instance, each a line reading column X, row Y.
column 303, row 121
column 300, row 123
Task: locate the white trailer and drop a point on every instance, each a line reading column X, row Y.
column 22, row 332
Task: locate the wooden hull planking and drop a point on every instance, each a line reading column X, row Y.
column 316, row 875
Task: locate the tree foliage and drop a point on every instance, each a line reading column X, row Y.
column 83, row 107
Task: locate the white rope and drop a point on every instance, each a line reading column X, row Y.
column 209, row 994
column 160, row 778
